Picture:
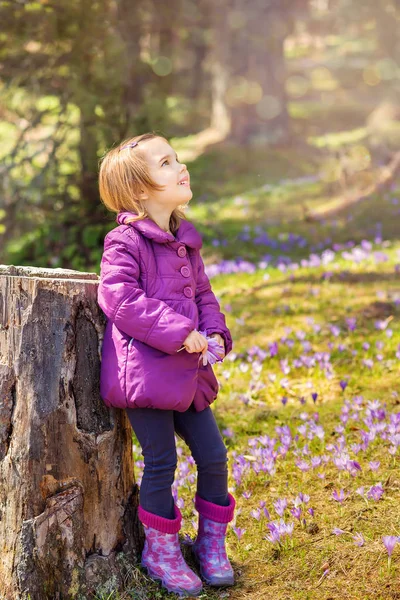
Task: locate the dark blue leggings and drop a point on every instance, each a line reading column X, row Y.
column 155, row 430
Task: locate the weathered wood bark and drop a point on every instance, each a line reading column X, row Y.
column 68, row 519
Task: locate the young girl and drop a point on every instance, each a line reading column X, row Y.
column 163, row 320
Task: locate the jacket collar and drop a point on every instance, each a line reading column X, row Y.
column 186, row 234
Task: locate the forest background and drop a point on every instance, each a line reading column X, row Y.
column 287, row 116
column 276, row 76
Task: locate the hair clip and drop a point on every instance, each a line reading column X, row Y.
column 131, row 145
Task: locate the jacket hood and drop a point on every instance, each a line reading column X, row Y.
column 186, row 234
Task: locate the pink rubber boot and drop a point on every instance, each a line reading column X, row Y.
column 162, row 556
column 209, row 547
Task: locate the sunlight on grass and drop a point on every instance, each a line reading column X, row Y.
column 337, row 139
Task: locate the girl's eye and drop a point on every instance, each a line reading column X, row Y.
column 168, row 161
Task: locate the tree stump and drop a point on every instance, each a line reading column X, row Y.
column 68, row 499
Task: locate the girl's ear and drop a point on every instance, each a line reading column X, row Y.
column 143, row 195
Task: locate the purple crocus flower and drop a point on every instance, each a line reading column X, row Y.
column 376, row 492
column 353, row 466
column 337, row 531
column 359, row 539
column 374, row 465
column 228, row 432
column 343, row 384
column 256, row 514
column 339, row 497
column 289, row 528
column 273, row 537
column 215, row 352
column 187, row 540
column 280, row 506
column 389, row 541
column 355, row 448
column 351, row 323
column 301, row 499
column 316, row 461
column 335, row 330
column 304, row 497
column 239, row 532
column 266, row 513
column 180, row 503
column 296, row 512
column 281, row 527
column 303, row 465
column 273, row 349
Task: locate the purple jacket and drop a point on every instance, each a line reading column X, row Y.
column 154, row 292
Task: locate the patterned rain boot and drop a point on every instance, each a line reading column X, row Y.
column 162, row 556
column 209, row 547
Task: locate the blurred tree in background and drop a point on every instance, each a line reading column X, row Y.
column 78, row 77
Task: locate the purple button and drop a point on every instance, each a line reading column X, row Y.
column 188, row 291
column 185, row 271
column 181, row 251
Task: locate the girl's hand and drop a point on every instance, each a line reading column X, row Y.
column 195, row 342
column 219, row 339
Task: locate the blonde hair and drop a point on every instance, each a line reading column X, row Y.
column 122, row 175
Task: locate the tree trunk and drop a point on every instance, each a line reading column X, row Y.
column 130, row 29
column 67, row 493
column 249, row 71
column 198, row 22
column 165, row 25
column 220, row 66
column 257, row 55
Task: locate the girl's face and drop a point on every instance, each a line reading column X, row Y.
column 166, row 170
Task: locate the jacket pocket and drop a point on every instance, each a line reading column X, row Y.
column 207, row 387
column 155, row 379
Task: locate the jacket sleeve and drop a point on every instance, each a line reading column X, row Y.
column 211, row 318
column 124, row 302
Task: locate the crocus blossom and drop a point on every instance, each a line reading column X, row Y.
column 215, row 352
